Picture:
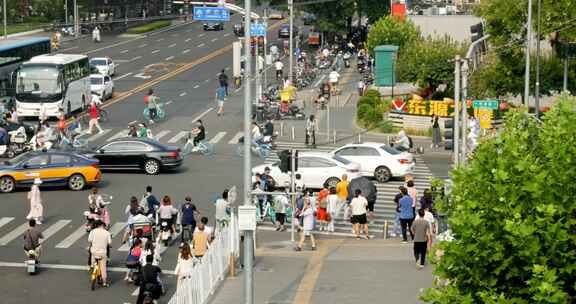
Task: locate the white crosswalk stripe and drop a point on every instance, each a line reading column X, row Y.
column 12, row 235
column 176, row 138
column 98, row 135
column 217, row 137
column 5, row 220
column 236, row 137
column 120, row 134
column 117, row 228
column 161, row 134
column 54, row 228
column 73, row 238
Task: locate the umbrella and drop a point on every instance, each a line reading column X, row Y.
column 365, row 185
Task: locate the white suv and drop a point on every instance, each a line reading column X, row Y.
column 378, row 160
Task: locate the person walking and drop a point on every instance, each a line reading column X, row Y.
column 361, row 87
column 426, row 201
column 420, row 228
column 413, row 194
column 279, row 66
column 307, row 215
column 436, row 137
column 311, row 128
column 99, row 240
column 396, row 227
column 333, row 208
column 223, row 81
column 220, row 97
column 281, row 203
column 36, row 207
column 342, row 191
column 406, row 214
column 359, row 206
column 94, row 117
column 184, row 266
column 200, row 241
column 149, row 202
column 321, row 209
column 188, row 220
column 152, row 104
column 222, row 213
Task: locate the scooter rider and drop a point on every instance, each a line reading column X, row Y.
column 200, row 134
column 167, row 213
column 100, row 240
column 32, row 238
column 269, row 127
column 150, row 281
column 97, row 205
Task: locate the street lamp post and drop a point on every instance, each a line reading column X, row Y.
column 291, row 59
column 537, row 88
column 528, row 45
column 76, row 21
column 5, row 20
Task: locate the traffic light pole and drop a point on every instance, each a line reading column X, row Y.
column 528, row 45
column 464, row 117
column 290, row 58
column 293, row 197
column 456, row 110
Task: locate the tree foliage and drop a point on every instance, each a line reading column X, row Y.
column 513, row 216
column 391, row 30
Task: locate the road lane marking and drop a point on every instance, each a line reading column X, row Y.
column 143, row 45
column 169, row 58
column 136, row 292
column 117, row 228
column 72, row 238
column 125, row 75
column 169, row 102
column 178, row 137
column 5, row 220
column 140, row 75
column 217, row 137
column 136, row 58
column 161, row 134
column 201, row 45
column 185, row 51
column 182, row 94
column 12, row 235
column 124, row 247
column 124, row 51
column 236, row 137
column 122, row 133
column 320, row 80
column 172, row 45
column 160, row 39
column 187, row 39
column 201, row 35
column 227, row 68
column 202, row 115
column 227, row 34
column 196, row 86
column 214, row 39
column 206, row 80
column 50, row 231
column 155, row 51
column 73, row 267
column 98, row 135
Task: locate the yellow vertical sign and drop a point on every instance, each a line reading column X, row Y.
column 485, row 116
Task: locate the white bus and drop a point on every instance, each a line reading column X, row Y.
column 49, row 84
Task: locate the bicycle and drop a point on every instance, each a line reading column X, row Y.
column 262, row 150
column 160, row 113
column 102, row 117
column 95, row 273
column 203, row 147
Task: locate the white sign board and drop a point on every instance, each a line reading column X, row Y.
column 247, row 217
column 236, row 58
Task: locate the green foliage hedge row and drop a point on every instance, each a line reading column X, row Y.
column 141, row 29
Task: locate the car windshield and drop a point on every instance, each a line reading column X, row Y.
column 96, row 80
column 341, row 159
column 98, row 62
column 390, row 150
column 39, row 81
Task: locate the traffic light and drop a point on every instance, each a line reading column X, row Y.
column 286, row 161
column 449, row 134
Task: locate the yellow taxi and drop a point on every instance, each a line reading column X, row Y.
column 53, row 168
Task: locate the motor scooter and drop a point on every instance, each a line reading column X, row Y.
column 31, row 261
column 346, row 58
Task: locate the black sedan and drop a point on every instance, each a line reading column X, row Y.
column 213, row 26
column 137, row 153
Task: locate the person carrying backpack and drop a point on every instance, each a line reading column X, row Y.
column 223, row 80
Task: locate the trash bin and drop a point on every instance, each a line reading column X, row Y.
column 385, row 70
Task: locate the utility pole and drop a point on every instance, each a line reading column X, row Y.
column 76, row 21
column 565, row 82
column 291, row 59
column 65, row 12
column 456, row 111
column 5, row 20
column 292, row 196
column 537, row 93
column 264, row 67
column 528, row 45
column 464, row 117
column 248, row 235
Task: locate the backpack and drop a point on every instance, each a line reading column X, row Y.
column 146, row 99
column 410, row 142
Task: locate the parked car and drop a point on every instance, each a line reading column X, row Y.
column 136, row 153
column 52, row 167
column 318, row 169
column 213, row 26
column 102, row 85
column 104, row 65
column 378, row 160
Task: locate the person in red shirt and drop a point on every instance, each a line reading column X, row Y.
column 94, row 118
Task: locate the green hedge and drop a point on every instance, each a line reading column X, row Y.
column 141, row 29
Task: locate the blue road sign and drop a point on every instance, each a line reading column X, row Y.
column 258, row 29
column 203, row 13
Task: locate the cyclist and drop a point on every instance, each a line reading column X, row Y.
column 32, row 238
column 334, row 77
column 99, row 240
column 279, row 66
column 150, row 281
column 200, row 134
column 188, row 217
column 151, row 101
column 94, row 116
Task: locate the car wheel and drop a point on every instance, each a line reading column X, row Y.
column 331, row 182
column 152, row 166
column 7, row 184
column 382, row 174
column 76, row 182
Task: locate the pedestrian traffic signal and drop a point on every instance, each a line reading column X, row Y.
column 449, row 134
column 286, row 161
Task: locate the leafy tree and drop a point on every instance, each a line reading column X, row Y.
column 513, row 216
column 427, row 62
column 373, row 9
column 393, row 31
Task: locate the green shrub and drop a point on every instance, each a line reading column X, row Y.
column 362, row 110
column 372, row 117
column 386, row 126
column 368, row 101
column 148, row 27
column 372, row 94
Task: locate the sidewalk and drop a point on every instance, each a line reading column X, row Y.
column 339, row 271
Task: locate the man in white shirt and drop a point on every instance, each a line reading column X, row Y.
column 280, row 204
column 274, row 52
column 279, row 66
column 222, row 208
column 334, row 76
column 359, row 206
column 429, row 217
column 99, row 240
